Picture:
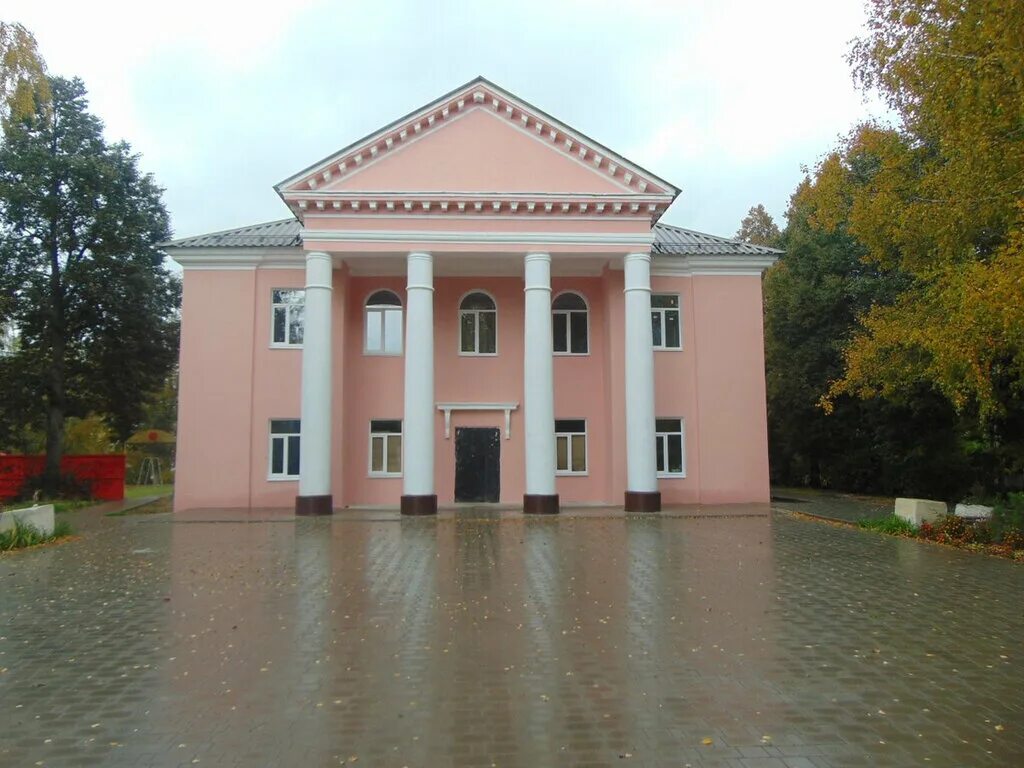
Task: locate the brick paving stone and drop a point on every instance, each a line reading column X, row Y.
column 485, row 637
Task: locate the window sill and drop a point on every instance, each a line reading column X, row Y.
column 671, row 475
column 571, row 354
column 564, row 473
column 367, row 353
column 275, row 345
column 283, row 479
column 384, row 475
column 478, row 354
column 668, row 349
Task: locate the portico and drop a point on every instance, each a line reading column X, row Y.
column 476, row 303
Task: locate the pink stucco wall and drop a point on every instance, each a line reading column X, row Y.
column 234, row 382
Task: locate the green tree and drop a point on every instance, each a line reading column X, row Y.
column 23, row 82
column 94, row 307
column 759, row 228
column 813, row 297
column 943, row 201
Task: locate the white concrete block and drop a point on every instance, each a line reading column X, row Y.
column 917, row 511
column 39, row 517
column 973, row 511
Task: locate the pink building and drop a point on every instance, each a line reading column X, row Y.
column 474, row 303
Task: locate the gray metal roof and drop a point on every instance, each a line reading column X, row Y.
column 685, row 242
column 284, row 233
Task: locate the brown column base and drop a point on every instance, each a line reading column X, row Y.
column 643, row 501
column 539, row 504
column 419, row 505
column 314, row 505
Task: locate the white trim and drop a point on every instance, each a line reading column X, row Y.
column 292, row 257
column 435, row 236
column 447, row 409
column 381, row 309
column 287, row 325
column 386, row 437
column 568, row 321
column 663, row 474
column 284, row 437
column 742, row 264
column 568, row 455
column 476, row 325
column 661, row 311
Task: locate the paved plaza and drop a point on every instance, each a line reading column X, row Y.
column 738, row 637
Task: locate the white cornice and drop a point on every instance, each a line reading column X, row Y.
column 221, row 258
column 724, row 264
column 488, row 238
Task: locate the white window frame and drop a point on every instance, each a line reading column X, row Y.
column 387, row 436
column 378, row 311
column 568, row 323
column 282, row 436
column 661, row 312
column 567, row 436
column 663, row 437
column 287, row 319
column 476, row 325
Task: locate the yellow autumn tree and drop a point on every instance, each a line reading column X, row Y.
column 941, row 199
column 23, row 82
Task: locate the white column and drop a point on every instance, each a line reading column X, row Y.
column 641, row 461
column 315, row 437
column 418, row 426
column 538, row 384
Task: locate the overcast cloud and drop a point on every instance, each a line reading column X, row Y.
column 725, row 98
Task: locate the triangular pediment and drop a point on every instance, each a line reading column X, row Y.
column 477, row 145
column 477, row 151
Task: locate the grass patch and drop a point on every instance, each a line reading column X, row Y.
column 890, row 524
column 138, row 491
column 59, row 505
column 23, row 535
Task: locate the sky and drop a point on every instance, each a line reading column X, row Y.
column 731, row 100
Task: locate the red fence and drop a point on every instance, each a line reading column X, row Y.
column 103, row 473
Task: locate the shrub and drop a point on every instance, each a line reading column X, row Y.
column 24, row 535
column 1008, row 521
column 891, row 524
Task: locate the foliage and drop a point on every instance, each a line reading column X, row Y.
column 67, row 487
column 23, row 83
column 87, row 435
column 1008, row 521
column 24, row 535
column 759, row 228
column 813, row 297
column 940, row 200
column 95, row 309
column 891, row 524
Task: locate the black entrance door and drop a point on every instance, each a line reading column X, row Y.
column 477, row 464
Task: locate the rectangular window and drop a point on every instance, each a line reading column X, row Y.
column 287, row 313
column 284, row 449
column 383, row 331
column 386, row 447
column 570, row 446
column 671, row 447
column 666, row 328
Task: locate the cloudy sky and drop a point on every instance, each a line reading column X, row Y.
column 726, row 98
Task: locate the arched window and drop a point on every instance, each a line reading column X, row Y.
column 478, row 325
column 569, row 324
column 383, row 324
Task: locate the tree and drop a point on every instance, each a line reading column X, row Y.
column 813, row 297
column 942, row 199
column 23, row 82
column 758, row 227
column 94, row 307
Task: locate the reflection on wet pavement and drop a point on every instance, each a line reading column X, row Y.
column 741, row 638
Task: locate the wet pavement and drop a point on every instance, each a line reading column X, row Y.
column 832, row 505
column 743, row 637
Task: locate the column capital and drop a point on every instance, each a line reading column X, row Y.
column 638, row 256
column 538, row 257
column 313, row 255
column 319, row 269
